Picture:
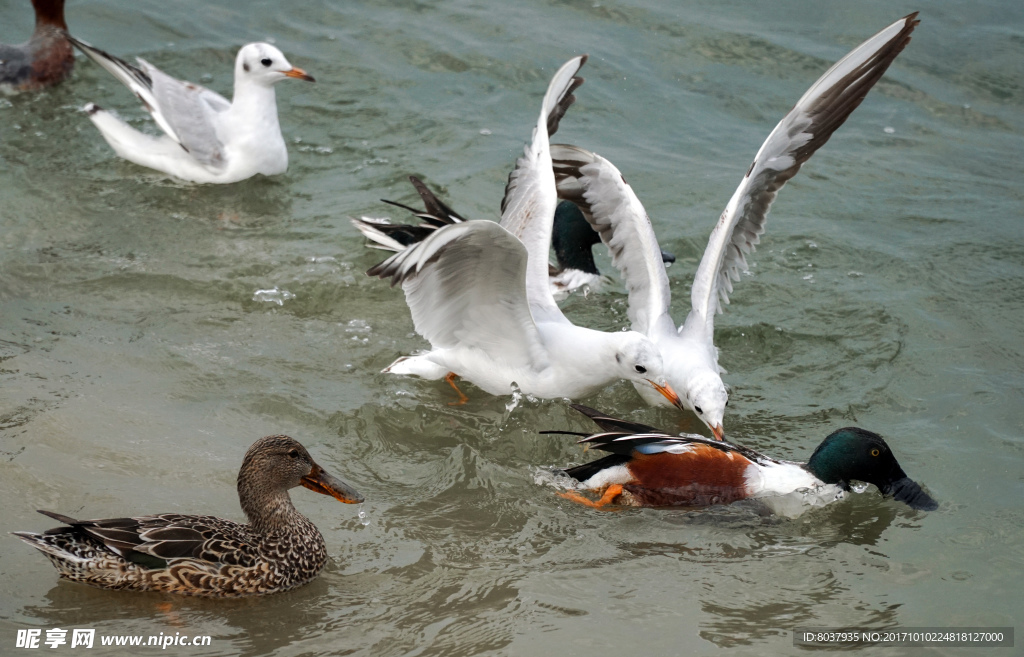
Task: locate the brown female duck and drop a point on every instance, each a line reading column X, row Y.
column 44, row 60
column 277, row 550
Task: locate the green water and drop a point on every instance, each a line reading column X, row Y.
column 136, row 366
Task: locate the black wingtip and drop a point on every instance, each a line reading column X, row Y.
column 67, row 520
column 582, row 408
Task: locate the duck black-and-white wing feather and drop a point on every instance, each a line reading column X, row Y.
column 805, row 129
column 623, row 437
column 396, row 237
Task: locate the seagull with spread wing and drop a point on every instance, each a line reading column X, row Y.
column 478, row 291
column 571, row 238
column 614, row 211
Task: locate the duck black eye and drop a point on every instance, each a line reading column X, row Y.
column 294, row 453
column 699, row 409
column 874, row 452
column 641, row 369
column 266, row 61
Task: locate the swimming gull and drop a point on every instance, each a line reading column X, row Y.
column 207, row 138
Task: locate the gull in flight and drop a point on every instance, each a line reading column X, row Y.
column 614, row 211
column 478, row 291
column 207, row 139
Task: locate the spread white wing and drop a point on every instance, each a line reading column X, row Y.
column 806, row 128
column 528, row 208
column 466, row 288
column 614, row 211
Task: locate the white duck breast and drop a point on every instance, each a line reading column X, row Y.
column 608, row 202
column 207, row 139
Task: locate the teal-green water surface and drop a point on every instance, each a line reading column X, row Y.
column 138, row 362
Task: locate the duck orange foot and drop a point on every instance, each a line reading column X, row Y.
column 450, row 378
column 609, row 496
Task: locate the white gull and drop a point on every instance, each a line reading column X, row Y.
column 208, row 138
column 478, row 291
column 608, row 202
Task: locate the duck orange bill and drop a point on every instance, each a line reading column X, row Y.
column 300, row 74
column 669, row 394
column 323, row 482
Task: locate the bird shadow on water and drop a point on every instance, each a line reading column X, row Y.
column 240, row 626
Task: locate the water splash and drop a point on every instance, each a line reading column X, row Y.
column 859, row 488
column 364, row 517
column 514, row 402
column 273, row 295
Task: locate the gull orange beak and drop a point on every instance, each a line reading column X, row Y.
column 320, row 481
column 719, row 432
column 299, row 74
column 669, row 394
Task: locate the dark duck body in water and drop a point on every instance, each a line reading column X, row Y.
column 45, row 59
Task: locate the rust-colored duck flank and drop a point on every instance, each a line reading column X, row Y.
column 648, row 467
column 45, row 59
column 279, row 549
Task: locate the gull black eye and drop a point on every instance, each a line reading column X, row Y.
column 699, row 409
column 640, row 369
column 294, row 453
column 266, row 61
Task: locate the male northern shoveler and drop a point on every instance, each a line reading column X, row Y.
column 648, row 467
column 43, row 60
column 277, row 550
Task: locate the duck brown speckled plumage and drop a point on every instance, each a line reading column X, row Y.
column 279, row 549
column 45, row 59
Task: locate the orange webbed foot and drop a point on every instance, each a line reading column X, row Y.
column 609, row 496
column 450, row 378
